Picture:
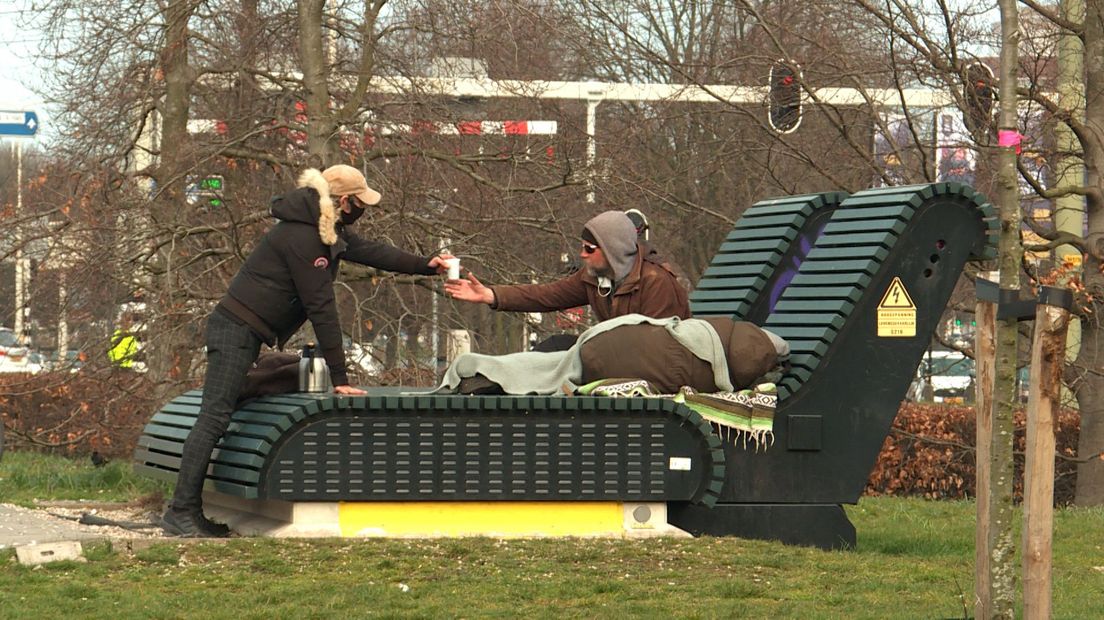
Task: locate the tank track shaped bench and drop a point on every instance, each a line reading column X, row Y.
column 812, row 268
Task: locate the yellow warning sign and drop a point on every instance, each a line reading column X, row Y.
column 896, row 312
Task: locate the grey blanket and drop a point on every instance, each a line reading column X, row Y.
column 535, row 372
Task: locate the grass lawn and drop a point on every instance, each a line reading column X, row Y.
column 914, row 560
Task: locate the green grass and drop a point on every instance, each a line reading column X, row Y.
column 914, row 560
column 27, row 476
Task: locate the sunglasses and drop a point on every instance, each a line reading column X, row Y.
column 589, row 248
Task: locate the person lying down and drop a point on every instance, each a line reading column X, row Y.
column 713, row 354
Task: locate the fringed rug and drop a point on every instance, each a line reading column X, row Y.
column 738, row 417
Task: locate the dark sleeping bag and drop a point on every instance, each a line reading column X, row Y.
column 649, row 352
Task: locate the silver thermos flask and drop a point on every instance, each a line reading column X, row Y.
column 314, row 374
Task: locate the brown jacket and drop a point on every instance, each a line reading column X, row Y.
column 651, row 289
column 651, row 353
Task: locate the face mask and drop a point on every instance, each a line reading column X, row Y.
column 352, row 216
column 355, row 211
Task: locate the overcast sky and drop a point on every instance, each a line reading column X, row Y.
column 17, row 70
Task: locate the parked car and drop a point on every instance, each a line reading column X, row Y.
column 13, row 356
column 951, row 375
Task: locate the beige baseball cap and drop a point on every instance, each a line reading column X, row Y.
column 345, row 180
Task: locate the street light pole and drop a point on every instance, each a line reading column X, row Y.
column 21, row 267
column 594, row 96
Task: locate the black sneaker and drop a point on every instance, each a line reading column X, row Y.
column 213, row 529
column 190, row 525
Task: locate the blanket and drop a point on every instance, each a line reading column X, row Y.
column 742, row 416
column 556, row 372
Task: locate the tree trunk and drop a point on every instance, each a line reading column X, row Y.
column 1090, row 389
column 1001, row 546
column 321, row 126
column 172, row 358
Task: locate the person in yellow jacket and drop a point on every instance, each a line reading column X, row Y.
column 124, row 348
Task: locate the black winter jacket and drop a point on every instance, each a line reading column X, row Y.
column 289, row 276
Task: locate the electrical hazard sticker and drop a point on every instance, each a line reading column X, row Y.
column 896, row 312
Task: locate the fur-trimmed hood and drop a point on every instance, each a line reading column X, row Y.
column 301, row 205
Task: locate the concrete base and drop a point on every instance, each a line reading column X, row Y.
column 280, row 519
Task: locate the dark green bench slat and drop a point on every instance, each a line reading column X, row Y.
column 895, row 226
column 845, row 278
column 220, row 469
column 707, row 295
column 714, row 308
column 770, row 245
column 775, row 219
column 826, row 293
column 750, row 269
column 799, row 346
column 828, row 320
column 170, row 432
column 194, row 397
column 230, row 488
column 789, row 385
column 167, row 461
column 757, row 234
column 281, row 422
column 171, row 451
column 789, row 204
column 815, row 330
column 243, row 460
column 276, row 408
column 865, row 252
column 805, row 359
column 825, row 333
column 845, row 239
column 829, row 266
column 247, row 444
column 769, row 259
column 838, row 306
column 904, row 212
column 181, row 409
column 731, row 283
column 801, row 373
column 924, row 190
column 173, row 420
column 259, row 431
column 864, row 199
column 237, row 475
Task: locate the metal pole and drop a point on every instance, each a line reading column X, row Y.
column 63, row 323
column 592, row 148
column 20, row 266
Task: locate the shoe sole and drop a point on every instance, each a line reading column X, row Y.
column 175, row 532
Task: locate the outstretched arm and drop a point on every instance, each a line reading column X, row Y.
column 470, row 290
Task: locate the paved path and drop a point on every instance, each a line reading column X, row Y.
column 23, row 526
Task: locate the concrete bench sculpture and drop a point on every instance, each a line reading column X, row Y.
column 856, row 284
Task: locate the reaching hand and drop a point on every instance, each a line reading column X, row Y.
column 438, row 262
column 469, row 290
column 348, row 390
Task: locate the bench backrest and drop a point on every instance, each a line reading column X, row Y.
column 761, row 255
column 858, row 316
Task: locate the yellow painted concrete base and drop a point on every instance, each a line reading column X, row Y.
column 441, row 519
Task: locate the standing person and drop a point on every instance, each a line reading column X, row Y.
column 124, row 345
column 285, row 281
column 620, row 276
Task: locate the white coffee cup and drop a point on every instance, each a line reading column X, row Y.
column 453, row 268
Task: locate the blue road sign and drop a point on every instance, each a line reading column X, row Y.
column 23, row 124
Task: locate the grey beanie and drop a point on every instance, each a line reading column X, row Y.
column 615, row 233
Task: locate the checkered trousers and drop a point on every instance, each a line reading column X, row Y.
column 231, row 350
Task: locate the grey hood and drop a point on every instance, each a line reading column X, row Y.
column 615, row 233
